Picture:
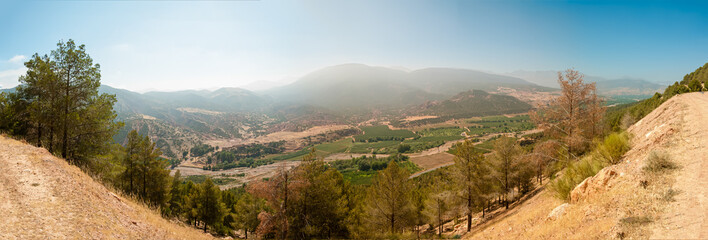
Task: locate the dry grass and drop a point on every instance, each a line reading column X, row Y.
column 43, row 197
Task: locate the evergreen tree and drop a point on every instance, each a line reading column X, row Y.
column 321, row 207
column 57, row 105
column 389, row 199
column 210, row 209
column 506, row 164
column 176, row 195
column 436, row 208
column 472, row 175
column 247, row 209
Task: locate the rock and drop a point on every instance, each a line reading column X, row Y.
column 593, row 185
column 557, row 212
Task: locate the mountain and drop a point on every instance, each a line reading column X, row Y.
column 351, row 86
column 43, row 197
column 608, row 87
column 450, row 81
column 473, row 103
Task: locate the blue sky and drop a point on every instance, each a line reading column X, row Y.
column 172, row 45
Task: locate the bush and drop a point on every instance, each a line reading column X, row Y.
column 658, row 162
column 403, row 148
column 574, row 174
column 613, row 147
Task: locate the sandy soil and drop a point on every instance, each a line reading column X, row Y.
column 416, row 118
column 686, row 217
column 250, row 174
column 43, row 197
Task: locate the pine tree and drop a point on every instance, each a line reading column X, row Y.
column 436, row 209
column 176, row 195
column 321, row 207
column 210, row 209
column 389, row 198
column 505, row 159
column 472, row 175
column 247, row 209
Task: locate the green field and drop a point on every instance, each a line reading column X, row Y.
column 361, row 171
column 383, row 133
column 382, row 147
column 500, row 124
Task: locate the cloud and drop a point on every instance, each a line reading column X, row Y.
column 17, row 59
column 8, row 78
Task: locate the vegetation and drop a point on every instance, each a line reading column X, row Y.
column 57, row 105
column 658, row 162
column 591, row 163
column 383, row 133
column 200, row 150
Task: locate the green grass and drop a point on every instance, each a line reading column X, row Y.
column 335, row 147
column 383, row 133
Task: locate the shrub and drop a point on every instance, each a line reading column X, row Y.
column 613, row 147
column 658, row 162
column 574, row 174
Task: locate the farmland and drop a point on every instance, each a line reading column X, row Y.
column 500, row 124
column 382, row 133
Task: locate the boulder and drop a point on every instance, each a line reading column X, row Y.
column 593, row 185
column 557, row 212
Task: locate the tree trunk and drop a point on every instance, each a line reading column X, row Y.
column 469, row 209
column 393, row 221
column 65, row 138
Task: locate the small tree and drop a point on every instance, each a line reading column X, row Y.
column 506, row 164
column 472, row 175
column 437, row 207
column 573, row 117
column 176, row 195
column 210, row 209
column 247, row 210
column 389, row 197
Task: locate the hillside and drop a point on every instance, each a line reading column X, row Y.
column 43, row 197
column 473, row 103
column 672, row 204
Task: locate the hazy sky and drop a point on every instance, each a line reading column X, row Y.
column 171, row 45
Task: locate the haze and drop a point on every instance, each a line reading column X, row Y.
column 257, row 44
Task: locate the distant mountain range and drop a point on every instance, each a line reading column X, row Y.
column 608, row 87
column 353, row 86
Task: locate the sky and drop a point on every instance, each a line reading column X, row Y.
column 176, row 45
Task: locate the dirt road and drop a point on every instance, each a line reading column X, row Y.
column 687, row 216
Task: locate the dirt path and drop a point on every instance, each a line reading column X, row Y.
column 687, row 216
column 43, row 197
